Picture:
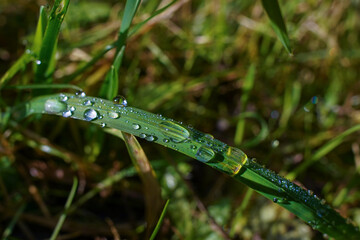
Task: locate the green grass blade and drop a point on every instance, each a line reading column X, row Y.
column 45, row 86
column 18, row 66
column 246, row 88
column 129, row 13
column 8, row 230
column 109, row 181
column 110, row 87
column 48, row 46
column 99, row 55
column 272, row 9
column 321, row 152
column 64, row 214
column 40, row 30
column 203, row 147
column 158, row 225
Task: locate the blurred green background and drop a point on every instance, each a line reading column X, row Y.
column 204, row 63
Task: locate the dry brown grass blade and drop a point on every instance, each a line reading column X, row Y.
column 152, row 190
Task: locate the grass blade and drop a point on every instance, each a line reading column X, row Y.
column 18, row 66
column 321, row 152
column 272, row 9
column 8, row 230
column 206, row 149
column 158, row 225
column 64, row 214
column 247, row 86
column 152, row 190
column 48, row 46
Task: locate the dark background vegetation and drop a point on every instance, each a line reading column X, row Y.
column 189, row 64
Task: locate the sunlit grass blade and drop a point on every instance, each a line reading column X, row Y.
column 272, row 9
column 206, row 149
column 39, row 33
column 18, row 66
column 110, row 87
column 49, row 42
column 322, row 151
column 63, row 215
column 158, row 225
column 8, row 230
column 246, row 88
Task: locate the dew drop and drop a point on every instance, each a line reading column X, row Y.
column 234, row 159
column 67, row 113
column 80, row 94
column 63, row 97
column 275, row 200
column 204, row 154
column 142, row 135
column 55, row 106
column 193, row 147
column 90, row 114
column 113, row 115
column 165, row 140
column 209, row 136
column 174, row 131
column 120, row 100
column 150, row 138
column 72, row 108
column 38, row 62
column 88, row 103
column 136, row 126
column 102, row 125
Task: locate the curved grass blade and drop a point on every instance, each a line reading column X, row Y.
column 272, row 9
column 48, row 46
column 64, row 214
column 203, row 147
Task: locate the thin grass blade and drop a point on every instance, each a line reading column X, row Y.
column 247, row 86
column 158, row 225
column 272, row 9
column 18, row 66
column 63, row 216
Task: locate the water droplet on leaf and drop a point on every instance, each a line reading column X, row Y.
column 204, row 154
column 88, row 103
column 174, row 131
column 80, row 94
column 90, row 114
column 102, row 124
column 136, row 126
column 55, row 106
column 67, row 113
column 120, row 100
column 113, row 115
